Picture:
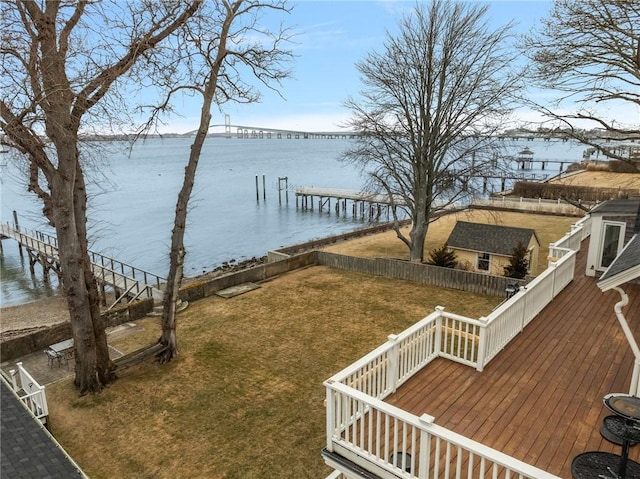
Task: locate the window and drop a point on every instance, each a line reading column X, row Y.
column 484, row 261
column 611, row 242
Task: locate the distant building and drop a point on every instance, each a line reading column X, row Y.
column 487, row 248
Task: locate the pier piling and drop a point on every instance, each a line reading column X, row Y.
column 17, row 227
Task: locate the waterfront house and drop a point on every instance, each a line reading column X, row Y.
column 516, row 394
column 487, row 248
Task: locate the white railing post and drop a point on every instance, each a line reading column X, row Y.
column 482, row 343
column 14, row 383
column 523, row 316
column 425, row 447
column 439, row 310
column 553, row 266
column 392, row 367
column 330, row 414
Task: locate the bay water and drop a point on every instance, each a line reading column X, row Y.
column 133, row 191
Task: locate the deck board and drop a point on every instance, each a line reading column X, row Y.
column 540, row 399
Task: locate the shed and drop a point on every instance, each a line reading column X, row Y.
column 487, row 248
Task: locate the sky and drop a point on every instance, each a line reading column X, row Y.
column 331, row 36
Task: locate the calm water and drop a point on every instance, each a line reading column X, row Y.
column 133, row 194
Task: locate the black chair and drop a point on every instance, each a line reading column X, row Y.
column 611, row 437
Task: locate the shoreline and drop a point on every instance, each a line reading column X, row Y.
column 22, row 319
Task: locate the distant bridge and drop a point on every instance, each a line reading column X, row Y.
column 260, row 132
column 127, row 281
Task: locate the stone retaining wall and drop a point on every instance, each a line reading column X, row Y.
column 203, row 289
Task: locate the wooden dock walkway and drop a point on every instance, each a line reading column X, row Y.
column 363, row 204
column 127, row 281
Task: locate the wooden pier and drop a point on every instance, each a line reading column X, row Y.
column 373, row 206
column 527, row 164
column 513, row 176
column 362, row 204
column 128, row 282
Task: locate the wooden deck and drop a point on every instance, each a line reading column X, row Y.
column 540, row 399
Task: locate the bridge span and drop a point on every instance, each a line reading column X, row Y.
column 260, row 132
column 128, row 282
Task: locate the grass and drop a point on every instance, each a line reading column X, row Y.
column 548, row 228
column 244, row 399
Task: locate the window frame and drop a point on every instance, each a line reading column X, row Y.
column 620, row 241
column 483, row 257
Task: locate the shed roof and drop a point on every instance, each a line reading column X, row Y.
column 487, row 238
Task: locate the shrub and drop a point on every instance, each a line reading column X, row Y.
column 518, row 263
column 617, row 166
column 598, row 167
column 443, row 256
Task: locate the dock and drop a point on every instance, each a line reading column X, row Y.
column 128, row 282
column 374, row 206
column 361, row 203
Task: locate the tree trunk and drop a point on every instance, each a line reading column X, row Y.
column 104, row 366
column 92, row 364
column 418, row 234
column 75, row 289
column 170, row 300
column 420, row 223
column 177, row 254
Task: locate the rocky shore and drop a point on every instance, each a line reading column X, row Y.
column 26, row 318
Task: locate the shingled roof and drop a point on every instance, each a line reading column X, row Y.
column 626, row 207
column 27, row 449
column 486, row 238
column 626, row 267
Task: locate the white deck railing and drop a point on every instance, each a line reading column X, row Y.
column 572, row 240
column 510, row 318
column 368, row 431
column 393, row 443
column 30, row 392
column 529, row 204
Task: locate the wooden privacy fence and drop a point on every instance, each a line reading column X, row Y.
column 421, row 273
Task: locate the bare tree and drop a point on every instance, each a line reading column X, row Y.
column 60, row 62
column 430, row 103
column 226, row 45
column 588, row 51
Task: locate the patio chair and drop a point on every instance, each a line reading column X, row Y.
column 612, row 438
column 53, row 356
